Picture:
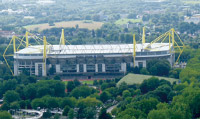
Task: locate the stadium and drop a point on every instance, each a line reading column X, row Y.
column 91, row 60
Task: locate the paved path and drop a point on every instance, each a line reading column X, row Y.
column 111, row 108
column 29, row 111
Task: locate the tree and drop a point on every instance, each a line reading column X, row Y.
column 5, row 115
column 51, row 23
column 126, row 94
column 144, row 71
column 89, row 113
column 162, row 92
column 175, row 73
column 93, row 33
column 82, row 91
column 52, row 87
column 11, row 96
column 14, row 105
column 105, row 96
column 132, row 16
column 158, row 67
column 66, row 110
column 96, row 17
column 88, row 102
column 47, row 114
column 145, row 17
column 104, row 115
column 45, row 90
column 32, row 79
column 68, row 101
column 87, row 107
column 149, row 85
column 52, row 70
column 88, row 17
column 70, row 86
column 95, row 83
column 56, row 116
column 145, row 105
column 37, row 103
column 71, row 114
column 104, row 86
column 77, row 82
column 122, row 86
column 5, row 106
column 158, row 114
column 9, row 85
column 30, row 91
column 51, row 102
column 57, row 77
column 131, row 113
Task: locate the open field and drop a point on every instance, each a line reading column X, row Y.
column 192, row 2
column 125, row 21
column 68, row 24
column 138, row 79
column 90, row 82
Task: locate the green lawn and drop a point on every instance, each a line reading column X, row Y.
column 65, row 82
column 138, row 79
column 87, row 82
column 83, row 82
column 125, row 21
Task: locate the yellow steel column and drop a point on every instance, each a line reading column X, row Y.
column 44, row 54
column 173, row 36
column 62, row 38
column 14, row 44
column 45, row 48
column 27, row 42
column 143, row 36
column 134, row 49
column 169, row 42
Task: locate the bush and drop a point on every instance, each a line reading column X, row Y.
column 144, row 71
column 66, row 110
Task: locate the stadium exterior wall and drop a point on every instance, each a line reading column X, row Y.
column 87, row 63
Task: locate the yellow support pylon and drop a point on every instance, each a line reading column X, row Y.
column 143, row 36
column 4, row 54
column 62, row 38
column 14, row 44
column 45, row 53
column 134, row 49
column 173, row 36
column 27, row 42
column 45, row 48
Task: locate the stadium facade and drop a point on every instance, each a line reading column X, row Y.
column 89, row 59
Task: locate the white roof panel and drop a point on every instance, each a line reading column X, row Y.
column 93, row 49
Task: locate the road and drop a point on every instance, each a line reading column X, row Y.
column 111, row 108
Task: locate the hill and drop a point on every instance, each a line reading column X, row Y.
column 138, row 79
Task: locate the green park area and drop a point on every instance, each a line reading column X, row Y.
column 125, row 21
column 88, row 82
column 131, row 79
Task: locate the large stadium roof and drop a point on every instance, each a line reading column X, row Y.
column 93, row 49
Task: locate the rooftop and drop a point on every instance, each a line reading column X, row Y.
column 93, row 49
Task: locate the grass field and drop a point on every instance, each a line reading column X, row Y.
column 68, row 24
column 192, row 2
column 125, row 21
column 138, row 79
column 88, row 82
